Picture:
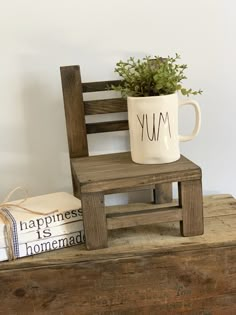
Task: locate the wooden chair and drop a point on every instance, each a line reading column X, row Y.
column 95, row 176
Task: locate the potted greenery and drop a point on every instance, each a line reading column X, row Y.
column 151, row 87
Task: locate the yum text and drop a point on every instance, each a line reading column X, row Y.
column 151, row 126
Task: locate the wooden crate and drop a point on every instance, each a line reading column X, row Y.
column 146, row 270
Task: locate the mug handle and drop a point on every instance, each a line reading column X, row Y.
column 197, row 122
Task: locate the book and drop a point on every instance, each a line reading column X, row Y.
column 65, row 228
column 46, row 244
column 45, row 230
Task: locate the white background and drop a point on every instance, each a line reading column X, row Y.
column 37, row 37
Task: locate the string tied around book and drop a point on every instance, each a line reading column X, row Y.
column 10, row 231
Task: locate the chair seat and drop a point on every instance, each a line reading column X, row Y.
column 115, row 171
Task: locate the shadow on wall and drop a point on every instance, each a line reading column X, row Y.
column 48, row 159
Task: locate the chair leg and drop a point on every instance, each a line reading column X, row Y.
column 94, row 216
column 191, row 201
column 75, row 183
column 163, row 193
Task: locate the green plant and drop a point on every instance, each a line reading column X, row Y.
column 151, row 77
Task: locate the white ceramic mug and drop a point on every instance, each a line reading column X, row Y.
column 153, row 127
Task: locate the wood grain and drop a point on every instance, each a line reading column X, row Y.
column 75, row 183
column 74, row 111
column 94, row 220
column 117, row 221
column 117, row 171
column 144, row 271
column 130, row 189
column 106, row 163
column 163, row 193
column 189, row 282
column 114, row 105
column 99, row 85
column 190, row 199
column 136, row 207
column 109, row 185
column 107, row 126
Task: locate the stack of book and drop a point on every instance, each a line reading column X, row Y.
column 33, row 234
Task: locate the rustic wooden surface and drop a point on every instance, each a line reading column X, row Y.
column 108, row 126
column 104, row 106
column 163, row 193
column 95, row 220
column 190, row 197
column 114, row 171
column 98, row 86
column 74, row 111
column 146, row 270
column 143, row 216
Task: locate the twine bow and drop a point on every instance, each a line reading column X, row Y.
column 8, row 223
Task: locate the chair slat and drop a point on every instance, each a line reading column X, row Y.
column 98, row 86
column 114, row 105
column 107, row 126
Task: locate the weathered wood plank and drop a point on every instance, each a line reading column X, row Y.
column 94, row 220
column 91, row 168
column 74, row 111
column 163, row 193
column 107, row 126
column 114, row 105
column 117, row 171
column 75, row 183
column 99, row 85
column 136, row 207
column 130, row 189
column 117, row 221
column 190, row 282
column 190, row 199
column 117, row 161
column 109, row 184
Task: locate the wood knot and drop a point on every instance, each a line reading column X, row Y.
column 19, row 292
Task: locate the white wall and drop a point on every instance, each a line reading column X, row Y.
column 37, row 37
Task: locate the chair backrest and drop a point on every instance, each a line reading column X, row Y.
column 76, row 109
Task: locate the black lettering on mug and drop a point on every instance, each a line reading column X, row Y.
column 151, row 128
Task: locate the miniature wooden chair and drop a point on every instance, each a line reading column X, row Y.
column 95, row 176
